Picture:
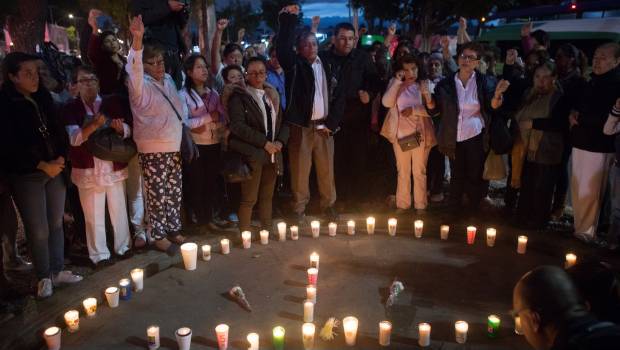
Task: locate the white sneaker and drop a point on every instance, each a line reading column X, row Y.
column 44, row 288
column 65, row 277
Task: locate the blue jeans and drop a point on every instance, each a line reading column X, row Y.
column 41, row 203
column 614, row 228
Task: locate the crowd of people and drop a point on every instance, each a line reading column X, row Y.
column 204, row 140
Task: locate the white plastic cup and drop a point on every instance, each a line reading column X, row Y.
column 315, row 226
column 370, row 225
column 72, row 320
column 206, row 252
column 221, row 331
column 308, row 330
column 521, row 244
column 90, row 307
column 184, row 338
column 294, row 233
column 424, row 330
column 246, row 238
column 444, row 231
column 491, row 234
column 225, row 244
column 333, row 229
column 308, row 311
column 137, row 276
column 152, row 337
column 282, row 231
column 460, row 329
column 264, row 237
column 349, row 324
column 392, row 225
column 112, row 295
column 52, row 338
column 189, row 251
column 418, row 228
column 385, row 333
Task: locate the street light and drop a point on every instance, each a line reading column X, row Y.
column 71, row 16
column 77, row 33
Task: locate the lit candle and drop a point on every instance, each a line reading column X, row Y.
column 206, row 252
column 313, row 276
column 444, row 230
column 571, row 259
column 314, row 260
column 308, row 311
column 125, row 289
column 349, row 325
column 522, row 244
column 253, row 340
column 52, row 338
column 333, row 228
column 491, row 234
column 72, row 319
column 278, row 338
column 518, row 329
column 189, row 252
column 294, row 233
column 152, row 336
column 424, row 338
column 308, row 330
column 184, row 338
column 246, row 238
column 90, row 306
column 221, row 331
column 282, row 231
column 471, row 234
column 311, row 293
column 493, row 323
column 111, row 295
column 137, row 276
column 385, row 333
column 370, row 225
column 264, row 237
column 392, row 224
column 316, row 228
column 225, row 244
column 418, row 226
column 460, row 328
column 350, row 227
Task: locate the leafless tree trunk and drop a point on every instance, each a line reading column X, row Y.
column 27, row 28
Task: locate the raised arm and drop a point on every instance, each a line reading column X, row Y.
column 286, row 38
column 134, row 67
column 216, row 58
column 462, row 37
column 316, row 21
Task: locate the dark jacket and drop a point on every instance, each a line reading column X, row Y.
column 247, row 128
column 586, row 333
column 161, row 23
column 111, row 77
column 594, row 105
column 22, row 145
column 447, row 106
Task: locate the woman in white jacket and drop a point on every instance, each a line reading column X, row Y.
column 409, row 128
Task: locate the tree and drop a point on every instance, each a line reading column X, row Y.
column 271, row 10
column 25, row 20
column 241, row 15
column 378, row 10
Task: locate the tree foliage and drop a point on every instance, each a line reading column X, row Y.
column 241, row 15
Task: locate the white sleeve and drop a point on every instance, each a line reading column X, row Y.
column 135, row 79
column 75, row 135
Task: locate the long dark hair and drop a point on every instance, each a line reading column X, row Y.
column 188, row 66
column 580, row 60
column 12, row 63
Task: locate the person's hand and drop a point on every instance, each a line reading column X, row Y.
column 292, row 9
column 511, row 57
column 240, row 34
column 400, row 75
column 279, row 145
column 526, row 29
column 462, row 23
column 59, row 160
column 222, row 23
column 136, row 27
column 117, row 125
column 364, row 96
column 52, row 169
column 175, row 6
column 92, row 18
column 270, row 147
column 407, row 112
column 502, row 86
column 325, row 132
column 425, row 89
column 573, row 118
column 445, row 42
column 316, row 20
column 392, row 29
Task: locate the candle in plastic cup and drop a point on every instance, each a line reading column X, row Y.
column 124, row 287
column 333, row 228
column 471, row 234
column 370, row 225
column 221, row 331
column 225, row 244
column 418, row 227
column 392, row 224
column 72, row 319
column 264, row 237
column 137, row 277
column 522, row 244
column 315, row 226
column 294, row 233
column 206, row 252
column 444, row 231
column 253, row 340
column 308, row 311
column 424, row 330
column 90, row 307
column 518, row 329
column 311, row 293
column 112, row 295
column 313, row 276
column 282, row 231
column 314, row 260
column 189, row 251
column 571, row 260
column 184, row 338
column 278, row 338
column 349, row 325
column 52, row 338
column 493, row 323
column 152, row 337
column 246, row 237
column 307, row 330
column 385, row 333
column 491, row 234
column 460, row 328
column 350, row 227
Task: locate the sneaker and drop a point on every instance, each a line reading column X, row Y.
column 139, row 240
column 436, row 198
column 19, row 265
column 45, row 288
column 65, row 277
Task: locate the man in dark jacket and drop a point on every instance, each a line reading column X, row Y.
column 165, row 21
column 554, row 316
column 593, row 150
column 313, row 113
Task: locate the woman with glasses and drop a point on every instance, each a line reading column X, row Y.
column 465, row 101
column 258, row 134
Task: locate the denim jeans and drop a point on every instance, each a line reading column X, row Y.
column 614, row 228
column 41, row 202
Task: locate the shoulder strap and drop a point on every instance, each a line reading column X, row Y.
column 170, row 102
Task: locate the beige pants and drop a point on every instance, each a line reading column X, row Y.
column 307, row 146
column 412, row 162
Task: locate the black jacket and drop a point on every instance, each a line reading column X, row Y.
column 22, row 145
column 447, row 106
column 162, row 24
column 594, row 105
column 586, row 333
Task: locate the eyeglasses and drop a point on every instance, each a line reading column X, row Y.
column 468, row 57
column 156, row 63
column 88, row 80
column 257, row 74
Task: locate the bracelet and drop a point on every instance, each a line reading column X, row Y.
column 615, row 112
